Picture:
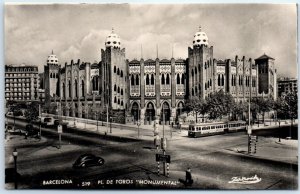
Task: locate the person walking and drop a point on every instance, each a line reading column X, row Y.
column 188, row 177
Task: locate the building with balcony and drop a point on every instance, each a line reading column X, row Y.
column 21, row 83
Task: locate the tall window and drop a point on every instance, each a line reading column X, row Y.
column 182, row 79
column 132, row 80
column 147, row 80
column 152, row 79
column 118, row 72
column 219, row 80
column 70, row 89
column 178, row 79
column 64, row 90
column 137, row 80
column 82, row 88
column 222, row 80
column 76, row 88
column 115, row 69
column 168, row 79
column 163, row 79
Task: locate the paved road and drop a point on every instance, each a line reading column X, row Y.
column 212, row 163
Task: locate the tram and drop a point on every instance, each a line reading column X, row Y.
column 206, row 129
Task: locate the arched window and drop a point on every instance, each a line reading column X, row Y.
column 195, row 70
column 132, row 80
column 118, row 101
column 118, row 72
column 196, row 91
column 222, row 79
column 137, row 80
column 121, row 91
column 199, row 86
column 168, row 79
column 50, row 75
column 118, row 89
column 205, row 86
column 210, row 82
column 178, row 79
column 122, row 103
column 76, row 88
column 70, row 89
column 232, row 82
column 192, row 73
column 192, row 91
column 115, row 100
column 235, row 80
column 163, row 79
column 182, row 78
column 152, row 79
column 219, row 80
column 115, row 69
column 97, row 83
column 121, row 74
column 82, row 88
column 64, row 90
column 147, row 79
column 93, row 83
column 241, row 80
column 115, row 87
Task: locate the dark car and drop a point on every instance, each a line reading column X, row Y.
column 29, row 129
column 88, row 160
column 11, row 175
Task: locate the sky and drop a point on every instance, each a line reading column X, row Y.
column 78, row 31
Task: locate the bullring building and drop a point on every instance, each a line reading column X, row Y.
column 147, row 88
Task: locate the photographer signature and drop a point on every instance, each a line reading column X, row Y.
column 245, row 180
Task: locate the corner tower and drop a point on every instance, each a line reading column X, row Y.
column 200, row 66
column 51, row 77
column 267, row 76
column 113, row 73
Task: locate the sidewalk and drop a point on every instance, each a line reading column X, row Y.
column 285, row 151
column 143, row 132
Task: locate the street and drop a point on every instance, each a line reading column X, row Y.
column 213, row 160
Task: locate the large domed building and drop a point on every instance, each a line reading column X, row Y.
column 146, row 89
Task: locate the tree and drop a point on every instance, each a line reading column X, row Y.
column 289, row 105
column 32, row 112
column 238, row 109
column 220, row 104
column 259, row 106
column 197, row 105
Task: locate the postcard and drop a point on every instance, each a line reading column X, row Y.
column 151, row 96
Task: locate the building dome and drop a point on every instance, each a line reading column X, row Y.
column 113, row 40
column 52, row 59
column 200, row 38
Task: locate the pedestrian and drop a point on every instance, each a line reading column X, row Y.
column 188, row 177
column 172, row 124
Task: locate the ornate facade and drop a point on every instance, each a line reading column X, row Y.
column 150, row 88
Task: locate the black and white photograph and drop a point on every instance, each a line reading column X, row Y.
column 128, row 96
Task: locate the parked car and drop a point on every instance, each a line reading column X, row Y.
column 11, row 175
column 87, row 160
column 30, row 130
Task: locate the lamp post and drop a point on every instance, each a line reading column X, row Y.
column 110, row 118
column 15, row 155
column 97, row 117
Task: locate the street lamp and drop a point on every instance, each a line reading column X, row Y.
column 97, row 117
column 110, row 118
column 15, row 155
